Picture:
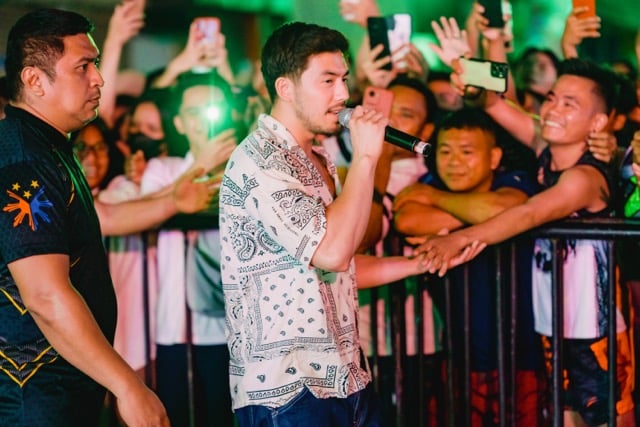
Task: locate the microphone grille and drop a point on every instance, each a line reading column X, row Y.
column 344, row 116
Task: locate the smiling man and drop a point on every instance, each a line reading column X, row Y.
column 288, row 240
column 576, row 185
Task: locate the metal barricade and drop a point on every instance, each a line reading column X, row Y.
column 451, row 413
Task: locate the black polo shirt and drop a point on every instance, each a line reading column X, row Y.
column 46, row 207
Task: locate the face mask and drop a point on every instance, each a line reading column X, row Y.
column 150, row 147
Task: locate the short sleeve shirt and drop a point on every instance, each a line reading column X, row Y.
column 46, row 207
column 290, row 325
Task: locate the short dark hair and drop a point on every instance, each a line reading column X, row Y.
column 289, row 48
column 469, row 118
column 232, row 110
column 189, row 80
column 36, row 39
column 607, row 83
column 418, row 85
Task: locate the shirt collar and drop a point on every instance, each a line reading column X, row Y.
column 50, row 134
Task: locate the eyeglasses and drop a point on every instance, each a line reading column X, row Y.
column 82, row 150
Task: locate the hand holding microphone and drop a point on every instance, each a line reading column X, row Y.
column 393, row 136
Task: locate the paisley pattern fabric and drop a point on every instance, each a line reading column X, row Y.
column 289, row 324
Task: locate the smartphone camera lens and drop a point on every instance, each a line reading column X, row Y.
column 498, row 70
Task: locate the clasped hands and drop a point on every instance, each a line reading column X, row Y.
column 444, row 251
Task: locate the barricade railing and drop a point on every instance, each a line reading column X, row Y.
column 447, row 413
column 614, row 230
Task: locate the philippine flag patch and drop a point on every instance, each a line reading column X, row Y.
column 30, row 204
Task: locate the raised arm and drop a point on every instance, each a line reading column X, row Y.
column 581, row 187
column 184, row 196
column 577, row 29
column 520, row 124
column 125, row 23
column 194, row 54
column 348, row 215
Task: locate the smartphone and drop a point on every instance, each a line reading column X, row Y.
column 484, row 74
column 591, row 4
column 378, row 99
column 399, row 35
column 377, row 29
column 209, row 27
column 493, row 12
column 391, row 32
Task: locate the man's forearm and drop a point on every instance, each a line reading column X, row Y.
column 347, row 219
column 66, row 322
column 136, row 215
column 374, row 271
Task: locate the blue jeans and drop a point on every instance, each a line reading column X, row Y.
column 358, row 410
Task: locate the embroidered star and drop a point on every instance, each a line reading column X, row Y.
column 26, row 194
column 15, row 187
column 34, row 184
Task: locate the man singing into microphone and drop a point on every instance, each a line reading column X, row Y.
column 289, row 234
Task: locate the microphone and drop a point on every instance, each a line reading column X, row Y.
column 392, row 135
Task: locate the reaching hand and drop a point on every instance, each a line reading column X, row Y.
column 411, row 61
column 215, row 152
column 194, row 191
column 199, row 54
column 459, row 85
column 603, row 145
column 371, row 66
column 453, row 41
column 476, row 21
column 215, row 56
column 126, row 22
column 576, row 29
column 444, row 252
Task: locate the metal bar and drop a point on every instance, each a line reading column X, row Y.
column 466, row 375
column 500, row 313
column 612, row 335
column 513, row 331
column 418, row 304
column 146, row 310
column 557, row 296
column 373, row 331
column 451, row 412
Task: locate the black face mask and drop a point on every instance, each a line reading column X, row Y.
column 150, row 147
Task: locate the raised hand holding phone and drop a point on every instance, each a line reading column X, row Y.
column 484, row 74
column 393, row 33
column 587, row 8
column 493, row 13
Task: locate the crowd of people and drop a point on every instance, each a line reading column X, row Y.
column 215, row 255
